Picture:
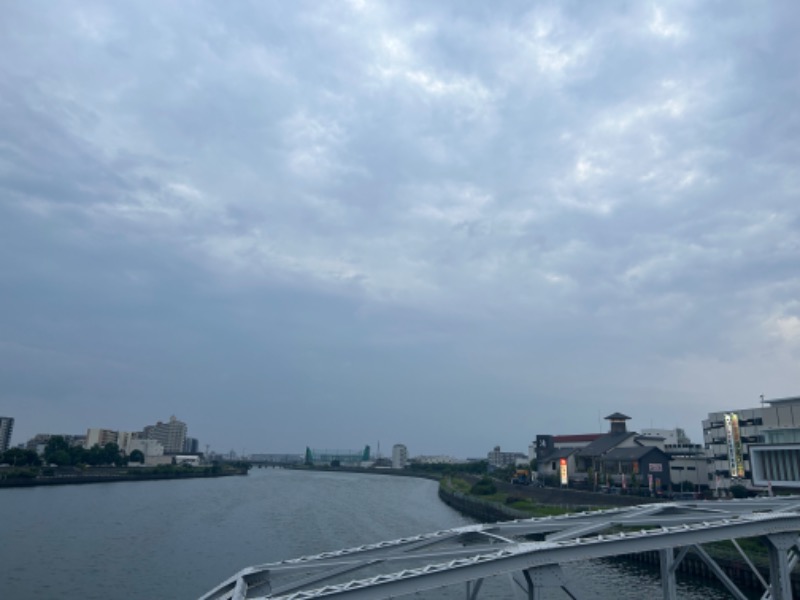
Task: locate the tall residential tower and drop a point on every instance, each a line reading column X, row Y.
column 6, row 427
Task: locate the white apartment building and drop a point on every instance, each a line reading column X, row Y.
column 399, row 456
column 100, row 437
column 172, row 435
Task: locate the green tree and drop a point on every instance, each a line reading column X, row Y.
column 57, row 451
column 60, row 458
column 94, row 456
column 136, row 456
column 77, row 455
column 112, row 456
column 19, row 457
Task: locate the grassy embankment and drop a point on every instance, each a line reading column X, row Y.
column 485, row 491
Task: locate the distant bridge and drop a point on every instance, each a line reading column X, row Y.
column 467, row 556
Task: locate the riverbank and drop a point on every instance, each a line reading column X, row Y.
column 75, row 476
column 363, row 471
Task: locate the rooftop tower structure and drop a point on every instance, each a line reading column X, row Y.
column 618, row 422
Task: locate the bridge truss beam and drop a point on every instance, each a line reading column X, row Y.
column 470, row 555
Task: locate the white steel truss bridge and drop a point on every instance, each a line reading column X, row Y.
column 467, row 556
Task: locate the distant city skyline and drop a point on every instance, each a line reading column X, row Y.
column 449, row 225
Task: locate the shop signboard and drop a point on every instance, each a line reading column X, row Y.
column 734, row 442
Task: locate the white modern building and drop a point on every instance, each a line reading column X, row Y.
column 399, row 456
column 150, row 448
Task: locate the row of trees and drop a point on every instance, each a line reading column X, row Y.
column 20, row 458
column 59, row 452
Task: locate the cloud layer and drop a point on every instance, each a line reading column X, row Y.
column 426, row 223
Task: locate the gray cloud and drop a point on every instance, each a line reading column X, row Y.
column 423, row 223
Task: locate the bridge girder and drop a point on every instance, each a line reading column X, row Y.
column 451, row 557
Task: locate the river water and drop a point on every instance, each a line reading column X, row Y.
column 178, row 539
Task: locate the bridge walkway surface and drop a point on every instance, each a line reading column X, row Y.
column 467, row 556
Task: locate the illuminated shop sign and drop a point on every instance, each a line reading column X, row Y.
column 734, row 440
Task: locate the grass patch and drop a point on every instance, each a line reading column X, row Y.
column 457, row 484
column 521, row 503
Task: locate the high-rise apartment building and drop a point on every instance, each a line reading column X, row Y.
column 6, row 428
column 172, row 435
column 100, row 437
column 191, row 446
column 399, row 456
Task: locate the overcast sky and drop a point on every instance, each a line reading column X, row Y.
column 446, row 224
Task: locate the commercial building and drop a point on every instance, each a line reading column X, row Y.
column 555, row 454
column 619, row 457
column 755, row 446
column 6, row 429
column 399, row 456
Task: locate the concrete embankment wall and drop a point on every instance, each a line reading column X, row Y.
column 362, row 471
column 483, row 510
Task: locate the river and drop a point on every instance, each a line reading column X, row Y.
column 177, row 539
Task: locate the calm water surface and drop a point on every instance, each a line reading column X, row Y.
column 177, row 539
